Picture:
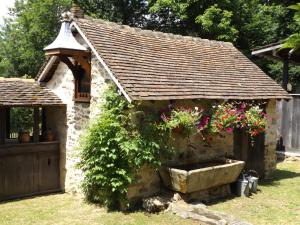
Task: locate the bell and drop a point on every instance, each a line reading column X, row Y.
column 65, row 43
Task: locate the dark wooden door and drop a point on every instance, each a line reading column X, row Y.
column 252, row 153
column 48, row 171
column 29, row 169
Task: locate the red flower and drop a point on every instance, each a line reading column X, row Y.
column 209, row 139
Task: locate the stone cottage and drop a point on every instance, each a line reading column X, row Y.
column 153, row 68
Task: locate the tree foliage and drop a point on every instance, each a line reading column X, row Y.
column 247, row 24
column 293, row 41
column 218, row 23
column 33, row 24
column 130, row 12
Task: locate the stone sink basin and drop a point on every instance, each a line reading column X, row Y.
column 196, row 177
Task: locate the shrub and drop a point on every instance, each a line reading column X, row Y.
column 116, row 145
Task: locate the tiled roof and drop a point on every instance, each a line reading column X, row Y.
column 157, row 66
column 26, row 92
column 50, row 71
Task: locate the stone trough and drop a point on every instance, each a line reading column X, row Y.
column 196, row 177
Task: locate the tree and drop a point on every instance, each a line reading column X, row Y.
column 217, row 23
column 248, row 24
column 33, row 25
column 293, row 41
column 130, row 12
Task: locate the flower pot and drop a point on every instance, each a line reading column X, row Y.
column 177, row 130
column 24, row 137
column 48, row 136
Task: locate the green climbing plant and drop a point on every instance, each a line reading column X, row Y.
column 118, row 143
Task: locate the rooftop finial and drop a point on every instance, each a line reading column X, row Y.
column 66, row 16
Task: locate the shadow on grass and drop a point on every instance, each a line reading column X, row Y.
column 17, row 199
column 277, row 176
column 220, row 200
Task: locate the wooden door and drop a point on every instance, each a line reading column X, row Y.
column 17, row 175
column 29, row 169
column 252, row 153
column 48, row 171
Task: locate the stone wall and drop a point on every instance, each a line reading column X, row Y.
column 271, row 138
column 195, row 150
column 56, row 121
column 188, row 150
column 147, row 184
column 77, row 118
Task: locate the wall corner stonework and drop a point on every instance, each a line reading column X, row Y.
column 78, row 116
column 271, row 139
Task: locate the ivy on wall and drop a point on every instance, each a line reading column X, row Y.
column 119, row 141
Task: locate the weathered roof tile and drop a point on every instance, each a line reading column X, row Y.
column 26, row 92
column 156, row 66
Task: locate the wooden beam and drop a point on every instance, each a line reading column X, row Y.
column 8, row 123
column 83, row 60
column 36, row 126
column 85, row 63
column 66, row 52
column 68, row 62
column 285, row 75
column 44, row 120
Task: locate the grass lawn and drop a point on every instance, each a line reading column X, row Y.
column 66, row 209
column 277, row 202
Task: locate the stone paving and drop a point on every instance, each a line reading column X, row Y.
column 200, row 213
column 195, row 211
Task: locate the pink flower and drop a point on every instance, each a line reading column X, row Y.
column 204, row 122
column 229, row 130
column 263, row 113
column 243, row 106
column 242, row 116
column 164, row 117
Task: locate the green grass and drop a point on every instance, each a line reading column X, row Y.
column 66, row 209
column 277, row 202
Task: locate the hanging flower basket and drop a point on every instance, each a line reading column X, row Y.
column 177, row 130
column 220, row 120
column 182, row 120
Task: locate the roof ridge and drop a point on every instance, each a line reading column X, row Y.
column 158, row 34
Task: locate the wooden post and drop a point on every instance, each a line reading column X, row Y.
column 44, row 121
column 2, row 125
column 8, row 123
column 285, row 76
column 36, row 126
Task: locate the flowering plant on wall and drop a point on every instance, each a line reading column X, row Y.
column 225, row 118
column 230, row 116
column 256, row 121
column 220, row 119
column 182, row 120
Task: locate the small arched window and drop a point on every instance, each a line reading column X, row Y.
column 82, row 86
